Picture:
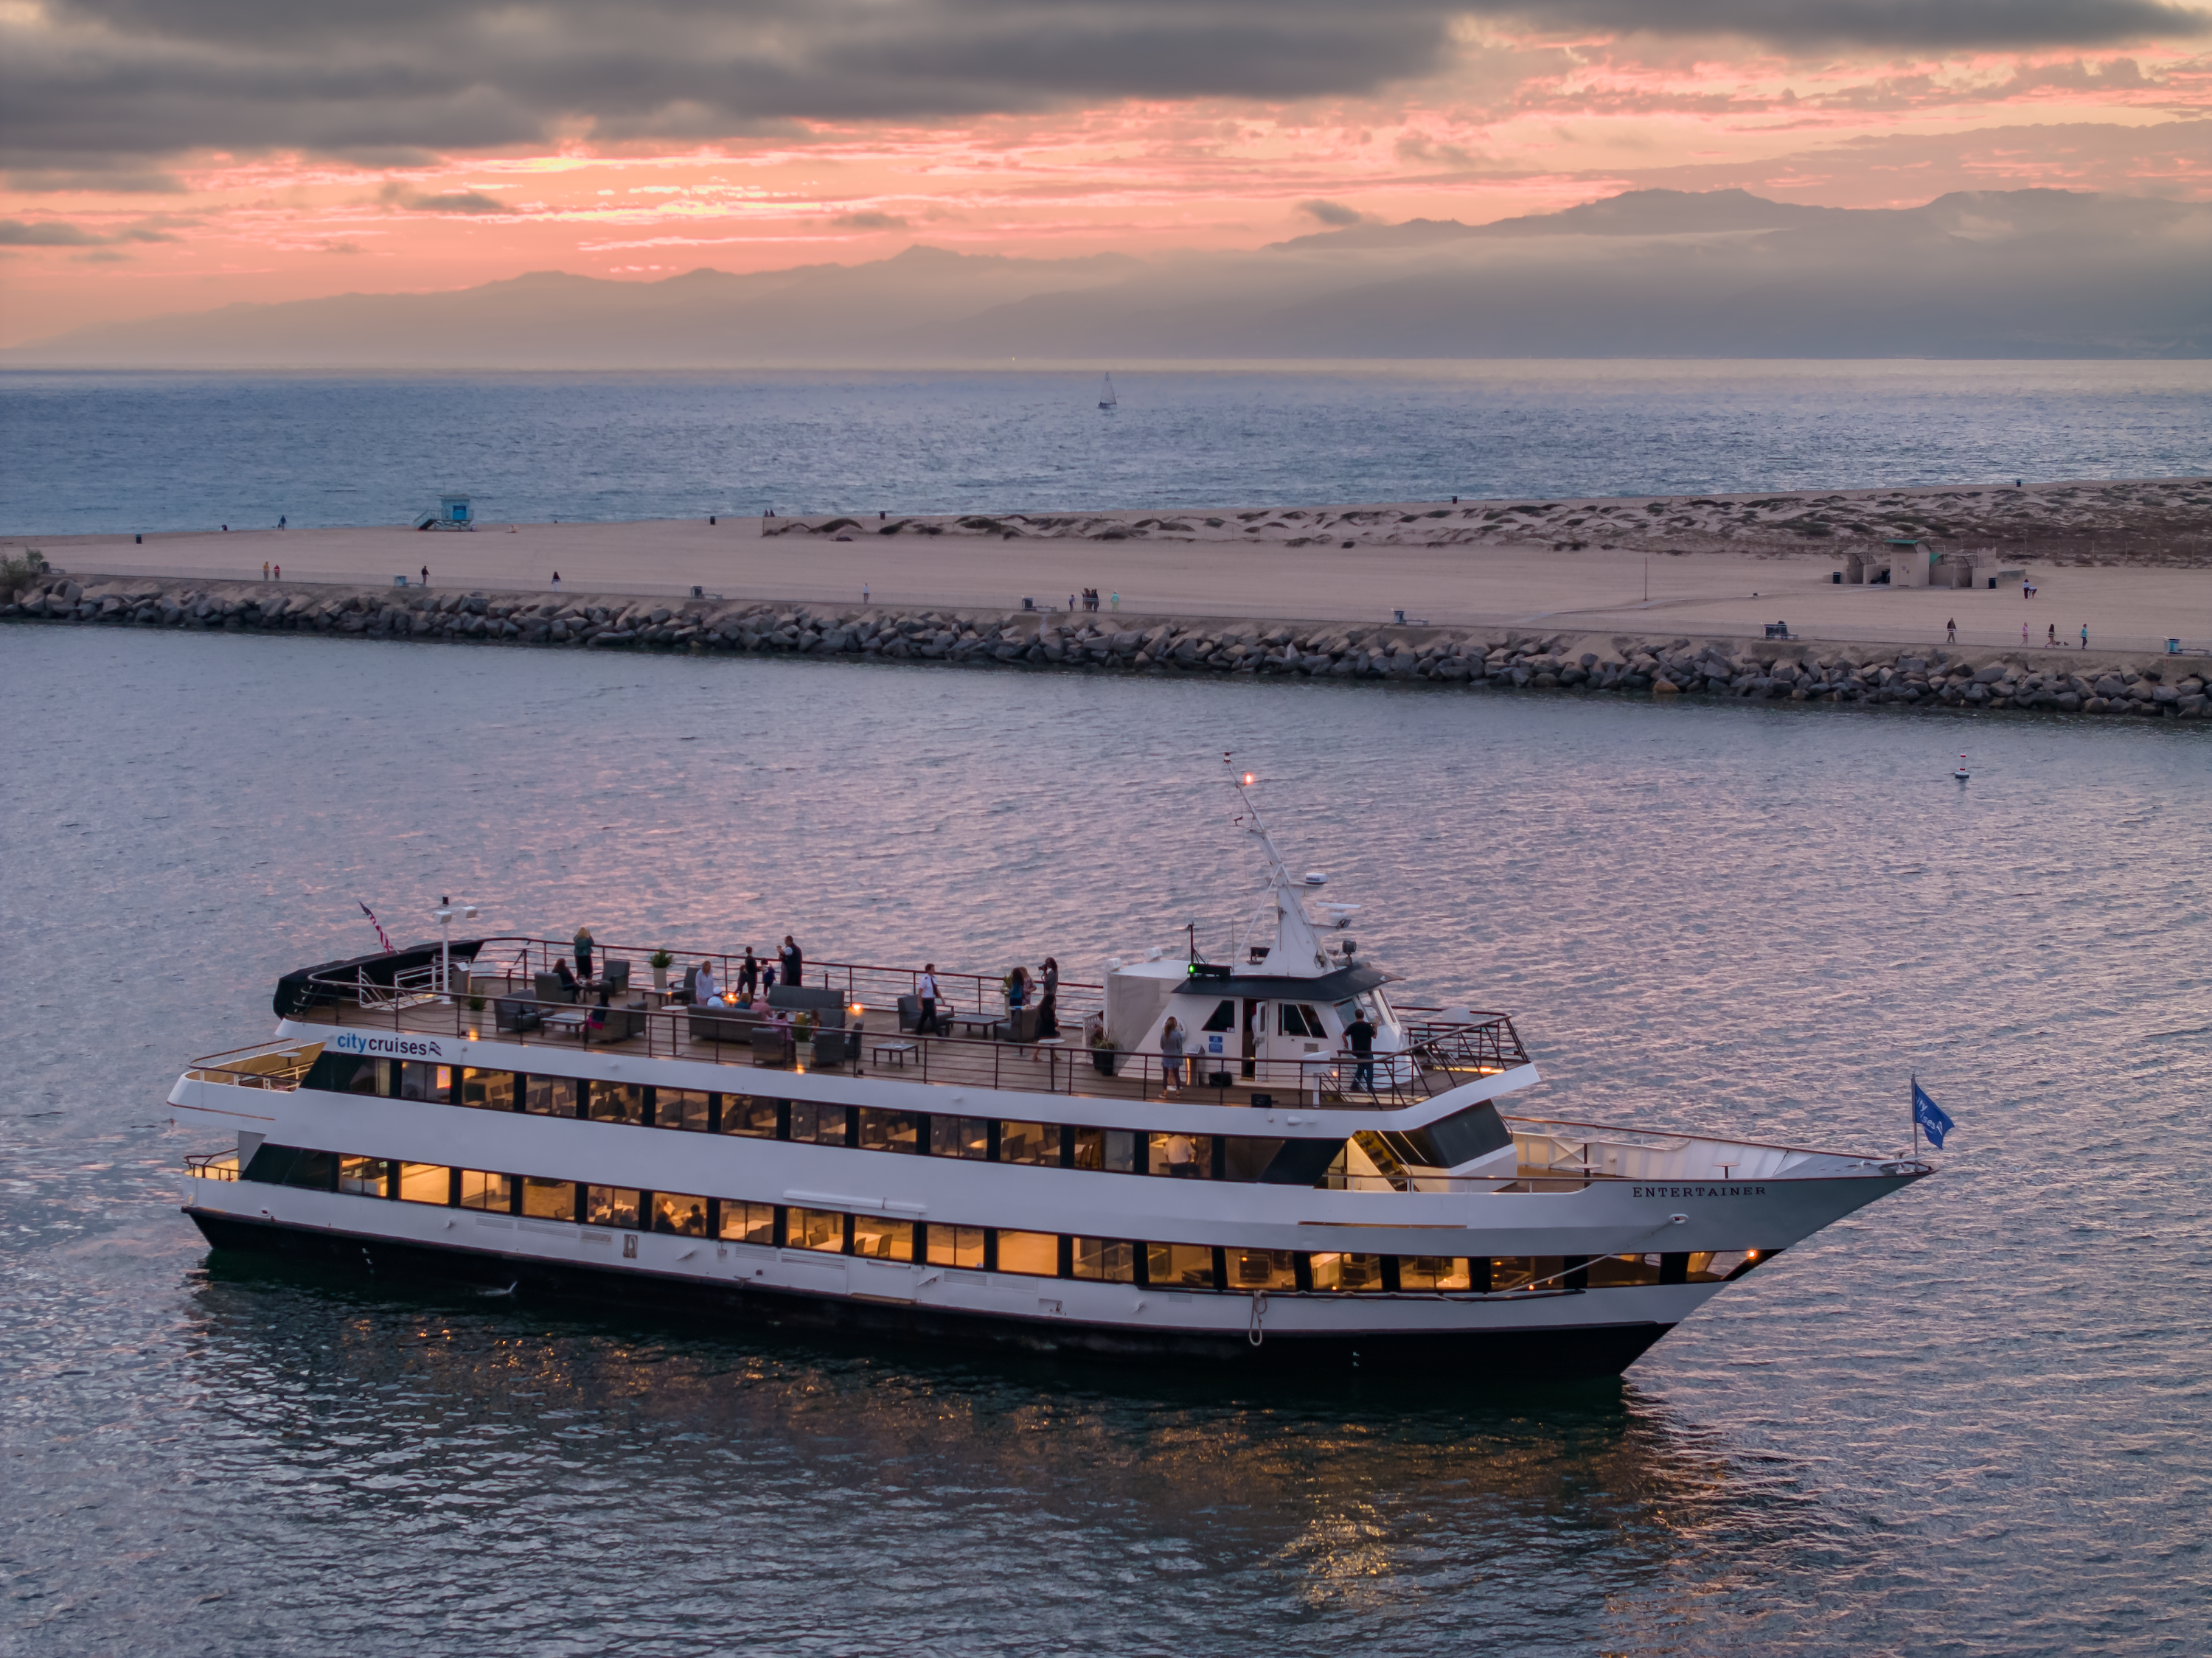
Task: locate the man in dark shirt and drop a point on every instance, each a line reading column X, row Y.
column 1361, row 1035
column 794, row 962
column 748, row 974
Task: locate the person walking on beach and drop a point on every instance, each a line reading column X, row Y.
column 748, row 974
column 556, row 581
column 280, row 520
column 925, row 990
column 1951, row 631
column 2023, row 635
column 794, row 963
column 280, row 572
column 863, row 593
column 426, row 575
column 2050, row 637
column 264, row 570
column 2085, row 636
column 584, row 954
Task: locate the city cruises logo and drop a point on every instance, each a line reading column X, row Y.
column 352, row 1042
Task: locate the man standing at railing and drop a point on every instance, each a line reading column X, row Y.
column 794, row 960
column 748, row 974
column 1360, row 1033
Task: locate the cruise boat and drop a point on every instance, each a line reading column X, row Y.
column 1325, row 1177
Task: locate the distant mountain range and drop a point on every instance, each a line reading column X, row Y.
column 1654, row 273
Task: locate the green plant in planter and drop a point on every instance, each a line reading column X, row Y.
column 476, row 1004
column 662, row 960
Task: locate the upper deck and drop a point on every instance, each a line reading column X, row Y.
column 498, row 991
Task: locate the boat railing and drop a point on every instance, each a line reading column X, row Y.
column 212, row 1165
column 280, row 1065
column 1444, row 1055
column 521, row 958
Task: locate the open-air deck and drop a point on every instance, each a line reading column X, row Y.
column 860, row 1023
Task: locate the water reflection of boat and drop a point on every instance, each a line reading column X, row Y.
column 1268, row 1158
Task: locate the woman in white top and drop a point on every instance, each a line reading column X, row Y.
column 702, row 984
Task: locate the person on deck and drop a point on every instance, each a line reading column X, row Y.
column 794, row 962
column 1171, row 1045
column 1048, row 1002
column 566, row 978
column 584, row 954
column 1360, row 1033
column 925, row 990
column 748, row 974
column 702, row 984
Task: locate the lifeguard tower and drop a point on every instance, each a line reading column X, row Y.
column 453, row 513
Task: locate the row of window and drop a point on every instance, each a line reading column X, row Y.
column 983, row 1248
column 867, row 1128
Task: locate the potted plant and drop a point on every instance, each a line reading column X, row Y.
column 661, row 961
column 1101, row 1052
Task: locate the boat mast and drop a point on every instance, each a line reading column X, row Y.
column 1295, row 937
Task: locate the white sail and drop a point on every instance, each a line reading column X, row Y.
column 1106, row 397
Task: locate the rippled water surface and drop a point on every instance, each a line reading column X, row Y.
column 122, row 452
column 1970, row 1419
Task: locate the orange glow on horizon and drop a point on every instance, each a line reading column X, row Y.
column 1518, row 126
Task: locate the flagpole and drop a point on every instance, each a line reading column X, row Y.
column 1912, row 1116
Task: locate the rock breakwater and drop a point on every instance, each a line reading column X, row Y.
column 1798, row 671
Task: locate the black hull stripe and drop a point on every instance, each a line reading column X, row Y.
column 1482, row 1357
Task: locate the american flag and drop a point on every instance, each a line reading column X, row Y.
column 378, row 925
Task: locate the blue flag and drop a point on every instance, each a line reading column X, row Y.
column 1930, row 1116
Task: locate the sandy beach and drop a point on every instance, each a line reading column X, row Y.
column 2131, row 560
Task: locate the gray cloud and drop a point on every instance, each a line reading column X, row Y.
column 96, row 88
column 867, row 220
column 142, row 78
column 15, row 233
column 19, row 232
column 1335, row 215
column 451, row 200
column 1923, row 23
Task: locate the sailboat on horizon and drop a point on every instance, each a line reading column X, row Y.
column 1106, row 397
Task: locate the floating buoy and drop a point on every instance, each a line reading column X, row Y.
column 1960, row 770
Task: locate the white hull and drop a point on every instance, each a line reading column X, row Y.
column 1680, row 1197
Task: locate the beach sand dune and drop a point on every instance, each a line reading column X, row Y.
column 2132, row 559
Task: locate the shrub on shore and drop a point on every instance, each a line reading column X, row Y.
column 17, row 574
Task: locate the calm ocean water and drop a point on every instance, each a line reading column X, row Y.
column 109, row 452
column 1972, row 1419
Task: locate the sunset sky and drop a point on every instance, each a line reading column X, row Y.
column 174, row 156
